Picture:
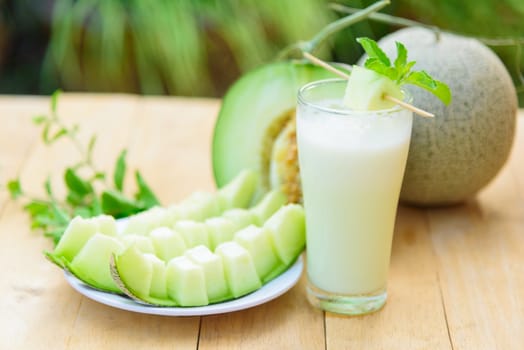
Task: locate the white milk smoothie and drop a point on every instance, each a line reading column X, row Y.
column 351, row 165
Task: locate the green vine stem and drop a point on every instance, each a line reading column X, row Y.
column 333, row 27
column 390, row 19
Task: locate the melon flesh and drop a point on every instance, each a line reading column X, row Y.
column 135, row 271
column 366, row 90
column 258, row 243
column 142, row 243
column 241, row 274
column 186, row 282
column 193, row 233
column 216, row 286
column 240, row 218
column 238, row 193
column 79, row 231
column 158, row 287
column 92, row 261
column 287, row 230
column 168, row 243
column 220, row 230
column 271, row 202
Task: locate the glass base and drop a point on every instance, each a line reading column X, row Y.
column 346, row 304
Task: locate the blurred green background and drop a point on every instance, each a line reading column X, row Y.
column 199, row 47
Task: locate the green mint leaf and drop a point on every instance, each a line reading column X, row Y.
column 120, row 171
column 379, row 67
column 145, row 195
column 373, row 50
column 61, row 216
column 35, row 208
column 96, row 207
column 402, row 56
column 99, row 176
column 55, row 234
column 54, row 100
column 91, row 147
column 45, row 133
column 15, row 188
column 57, row 135
column 82, row 211
column 39, row 119
column 426, row 82
column 116, row 204
column 48, row 187
column 76, row 184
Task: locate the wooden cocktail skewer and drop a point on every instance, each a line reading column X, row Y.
column 343, row 75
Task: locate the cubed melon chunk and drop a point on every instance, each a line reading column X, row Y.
column 366, row 89
column 240, row 217
column 144, row 222
column 193, row 233
column 142, row 243
column 158, row 287
column 186, row 283
column 287, row 230
column 168, row 243
column 258, row 243
column 92, row 261
column 201, row 205
column 216, row 285
column 241, row 274
column 79, row 231
column 271, row 202
column 220, row 230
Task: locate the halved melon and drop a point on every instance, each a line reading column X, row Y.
column 254, row 112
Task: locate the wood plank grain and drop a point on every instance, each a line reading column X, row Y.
column 479, row 246
column 287, row 322
column 413, row 317
column 17, row 135
column 46, row 297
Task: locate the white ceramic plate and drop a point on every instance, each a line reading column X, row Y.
column 268, row 292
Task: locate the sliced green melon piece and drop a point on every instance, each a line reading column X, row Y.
column 366, row 90
column 135, row 270
column 216, row 286
column 139, row 275
column 186, row 282
column 253, row 113
column 258, row 243
column 287, row 230
column 220, row 230
column 92, row 261
column 168, row 243
column 271, row 202
column 241, row 274
column 75, row 236
column 240, row 217
column 193, row 233
column 239, row 191
column 143, row 243
column 158, row 287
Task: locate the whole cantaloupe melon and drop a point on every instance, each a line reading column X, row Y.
column 455, row 154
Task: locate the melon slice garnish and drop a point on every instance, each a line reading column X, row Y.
column 366, row 90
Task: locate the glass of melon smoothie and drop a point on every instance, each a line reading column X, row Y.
column 351, row 165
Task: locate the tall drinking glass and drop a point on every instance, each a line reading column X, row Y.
column 351, row 166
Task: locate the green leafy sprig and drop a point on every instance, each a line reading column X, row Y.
column 400, row 71
column 88, row 191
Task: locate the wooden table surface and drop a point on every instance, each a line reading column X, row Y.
column 456, row 278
